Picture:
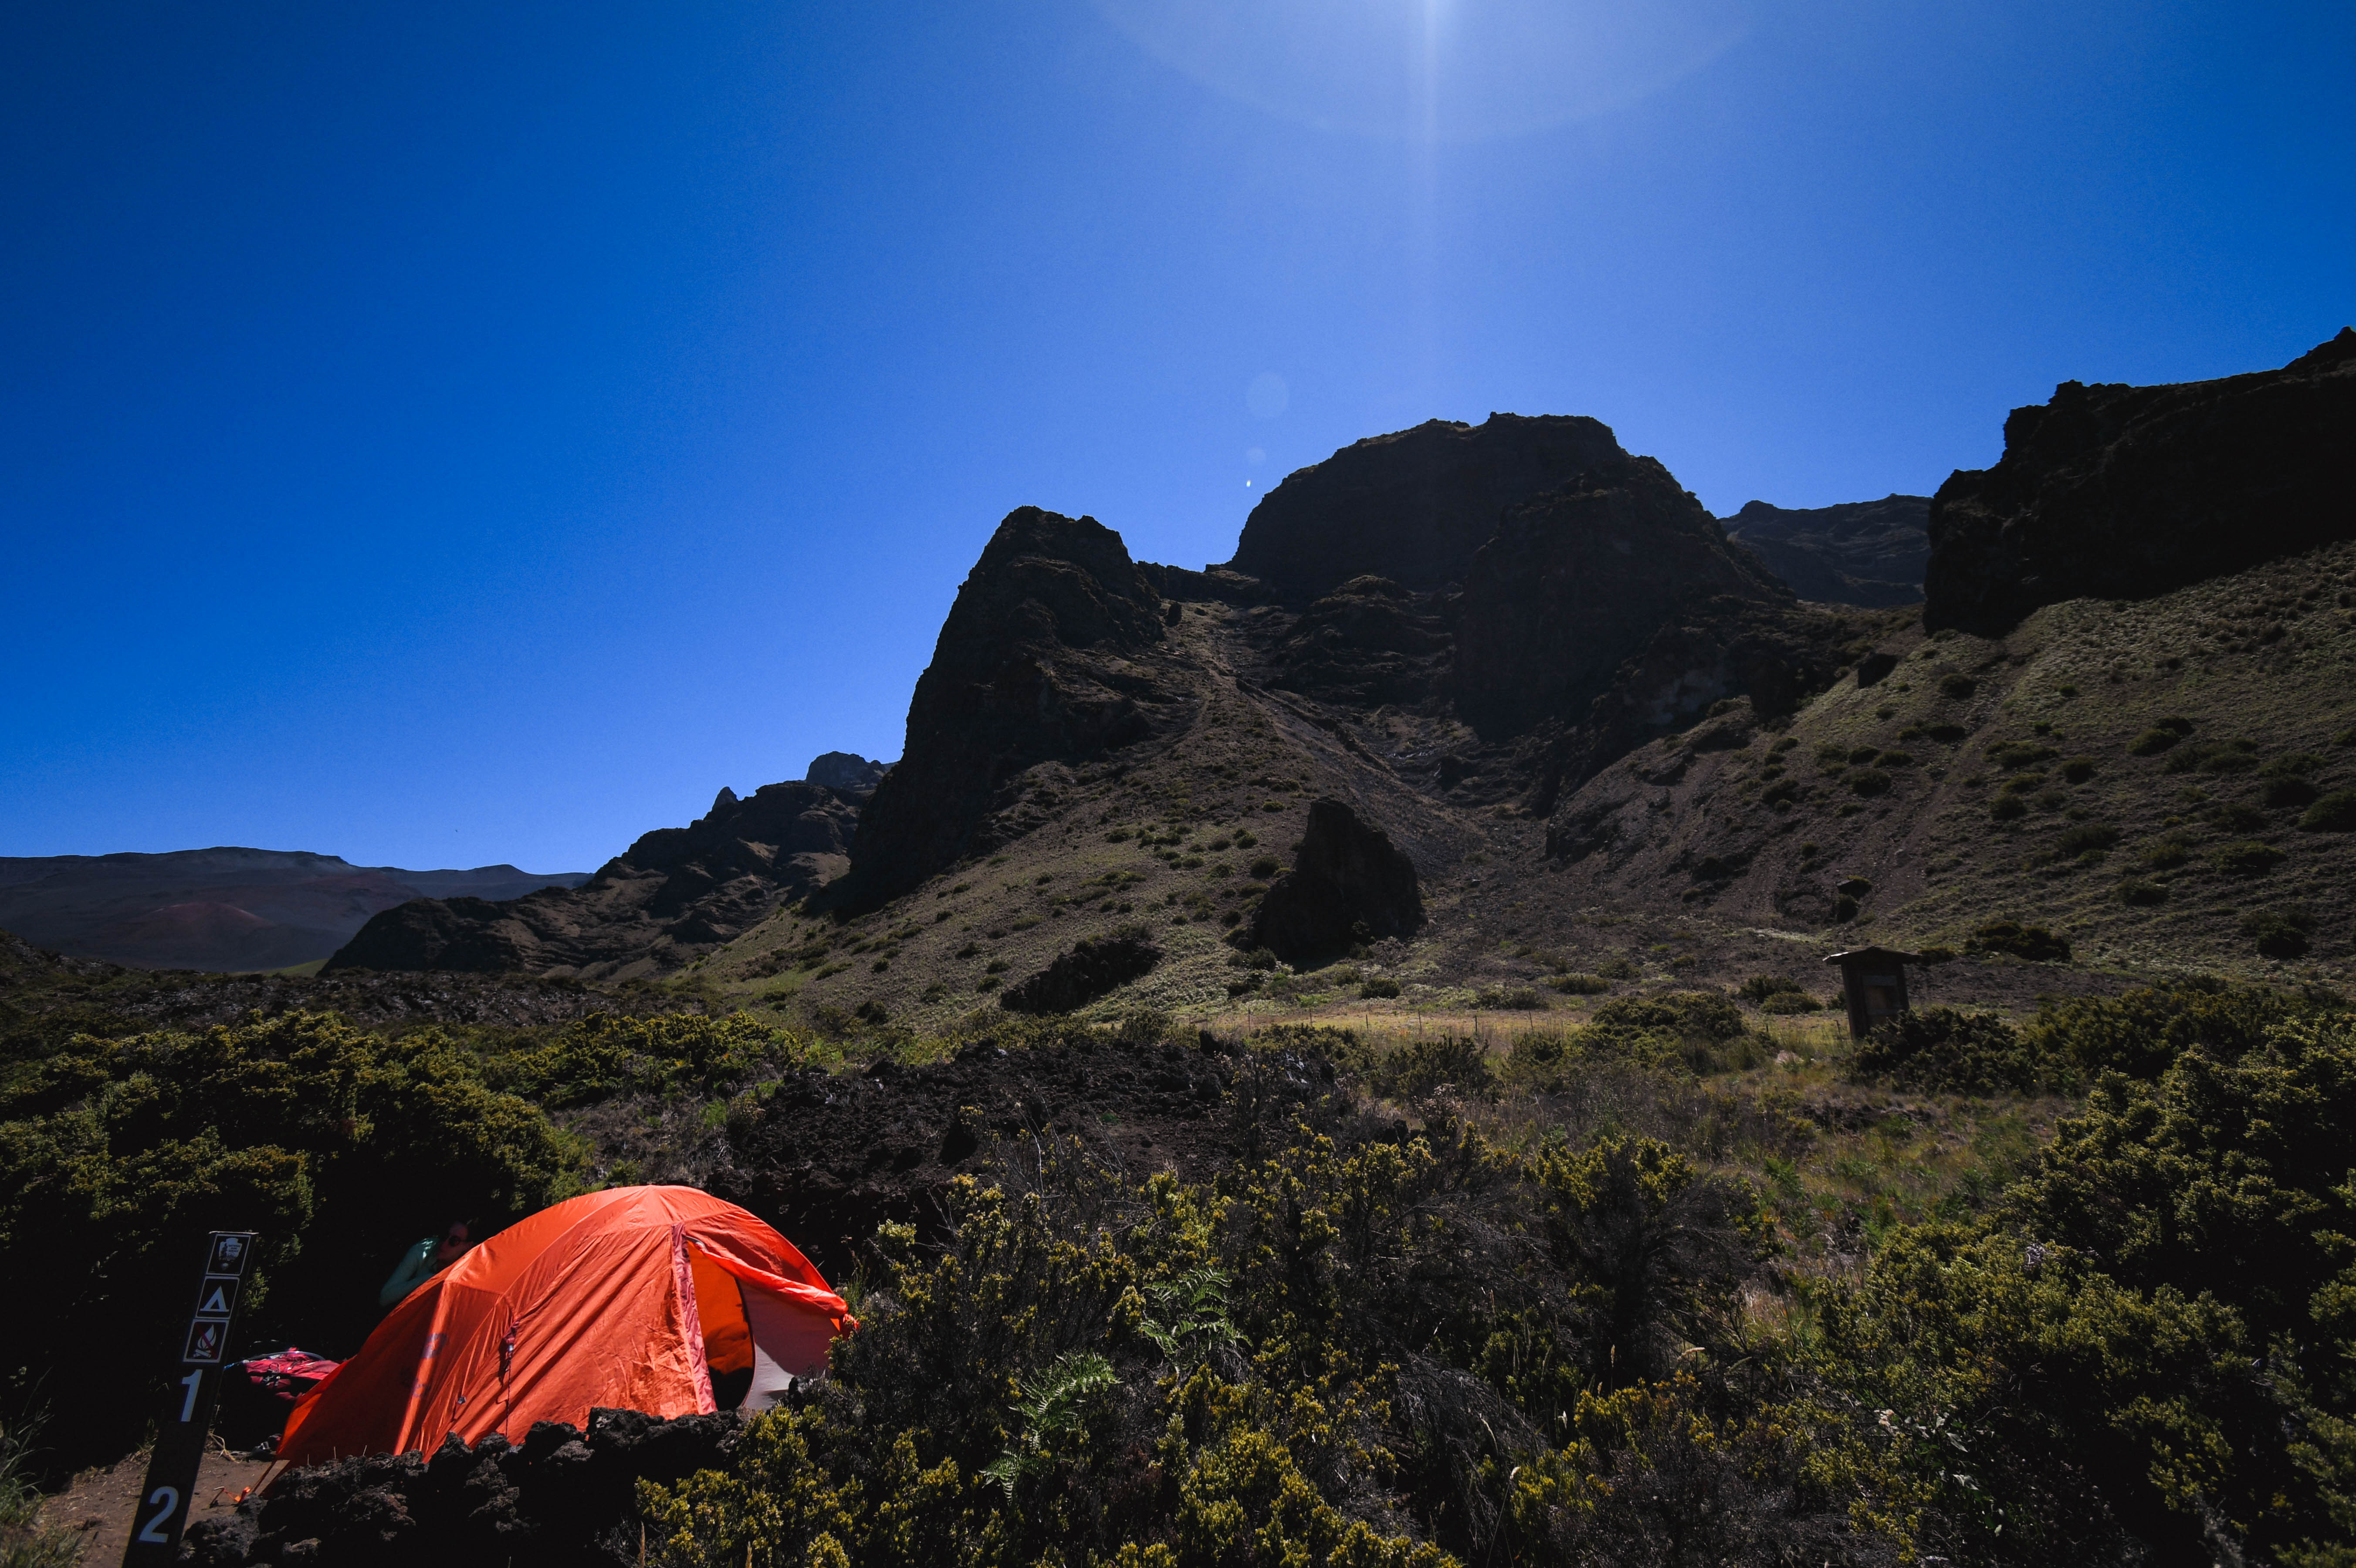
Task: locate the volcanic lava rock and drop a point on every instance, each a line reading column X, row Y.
column 675, row 893
column 1367, row 642
column 1412, row 506
column 1096, row 967
column 1048, row 654
column 1576, row 581
column 848, row 772
column 2122, row 492
column 1348, row 885
column 562, row 1495
column 1868, row 553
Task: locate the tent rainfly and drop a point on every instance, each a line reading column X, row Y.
column 630, row 1298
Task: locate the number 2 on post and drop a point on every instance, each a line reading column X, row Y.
column 168, row 1498
column 191, row 1382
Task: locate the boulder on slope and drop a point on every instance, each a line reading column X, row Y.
column 1348, row 884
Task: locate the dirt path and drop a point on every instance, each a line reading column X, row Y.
column 102, row 1504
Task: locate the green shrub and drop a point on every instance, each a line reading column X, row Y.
column 2165, row 854
column 2247, row 859
column 2142, row 894
column 1514, row 998
column 1791, row 1002
column 1858, row 756
column 2033, row 943
column 1946, row 734
column 1758, row 987
column 2144, row 1032
column 2162, row 735
column 2234, row 816
column 1420, row 1066
column 2078, row 770
column 2292, row 765
column 2278, row 933
column 1957, row 687
column 2087, row 837
column 1869, row 782
column 1378, row 987
column 2335, row 813
column 1581, row 985
column 2012, row 754
column 2008, row 808
column 1693, row 1015
column 1617, row 969
column 1942, row 1050
column 2216, row 757
column 340, row 1149
column 2284, row 793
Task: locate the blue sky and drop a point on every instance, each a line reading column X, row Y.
column 441, row 436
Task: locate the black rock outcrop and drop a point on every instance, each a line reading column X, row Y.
column 1572, row 584
column 1047, row 654
column 676, row 892
column 1091, row 968
column 1367, row 643
column 1348, row 885
column 2122, row 492
column 1412, row 506
column 848, row 772
column 562, row 1495
column 1869, row 553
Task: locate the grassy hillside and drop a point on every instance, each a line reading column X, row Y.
column 2157, row 782
column 2163, row 782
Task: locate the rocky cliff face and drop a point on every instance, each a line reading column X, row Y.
column 1572, row 584
column 847, row 772
column 1412, row 506
column 2121, row 491
column 676, row 892
column 1869, row 553
column 1051, row 651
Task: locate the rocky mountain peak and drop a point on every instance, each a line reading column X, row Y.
column 845, row 770
column 1412, row 506
column 1051, row 651
column 1574, row 581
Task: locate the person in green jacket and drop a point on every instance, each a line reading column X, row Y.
column 423, row 1260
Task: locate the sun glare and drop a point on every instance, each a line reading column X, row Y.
column 1446, row 69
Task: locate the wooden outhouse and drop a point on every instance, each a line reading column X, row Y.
column 1873, row 980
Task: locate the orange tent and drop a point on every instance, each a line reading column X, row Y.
column 629, row 1299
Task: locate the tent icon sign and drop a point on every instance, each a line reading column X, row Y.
column 215, row 1296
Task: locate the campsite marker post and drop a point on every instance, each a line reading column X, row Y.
column 165, row 1496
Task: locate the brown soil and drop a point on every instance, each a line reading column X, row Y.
column 102, row 1504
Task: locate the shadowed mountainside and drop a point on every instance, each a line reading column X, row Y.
column 225, row 909
column 1412, row 506
column 1593, row 709
column 1869, row 553
column 675, row 893
column 2118, row 492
